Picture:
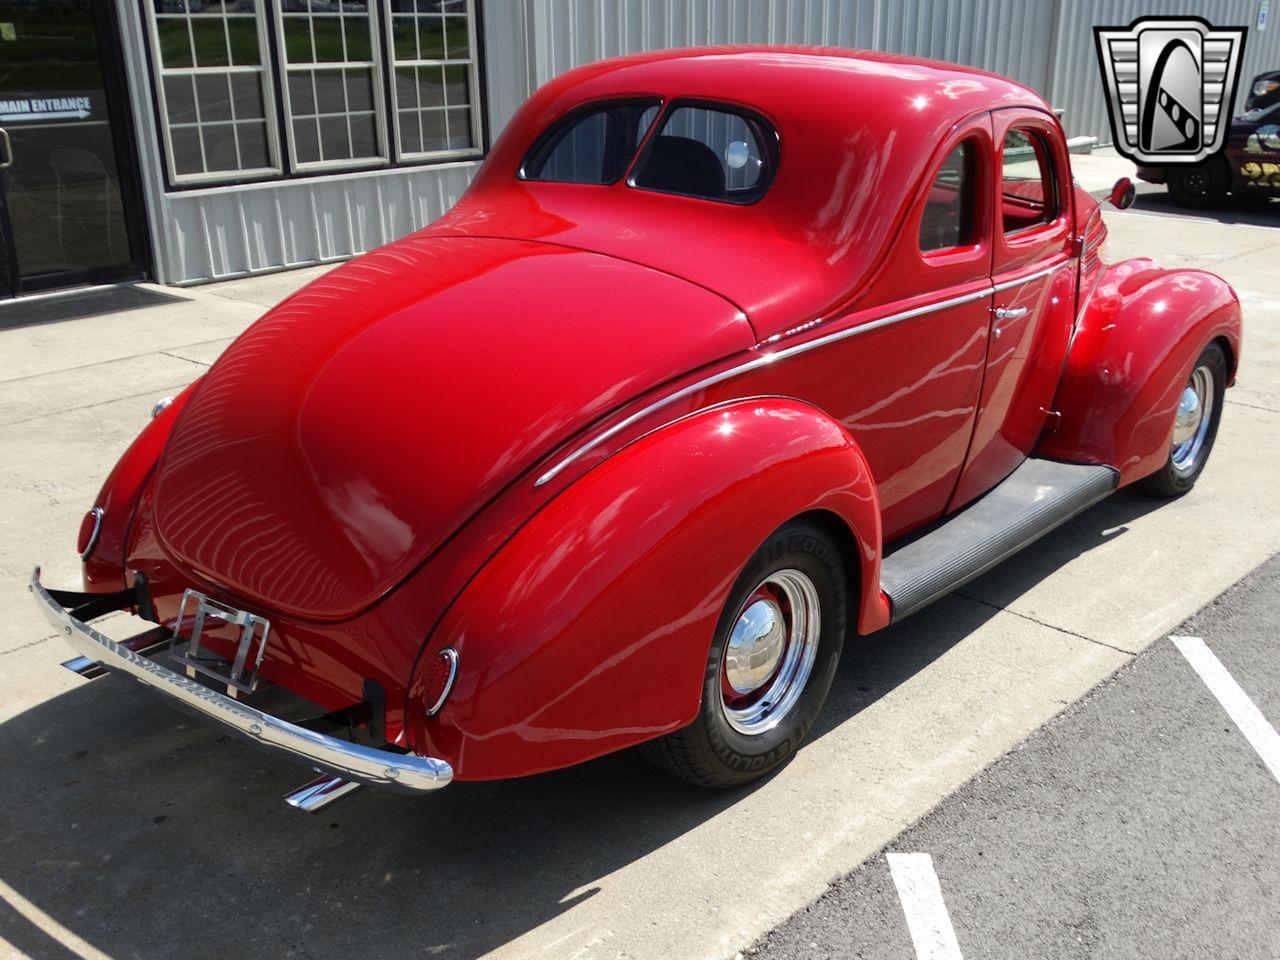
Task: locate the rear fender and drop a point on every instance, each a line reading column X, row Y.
column 1134, row 346
column 589, row 630
column 118, row 498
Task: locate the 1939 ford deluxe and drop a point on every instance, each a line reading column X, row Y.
column 724, row 355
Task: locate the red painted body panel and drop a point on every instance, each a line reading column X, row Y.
column 551, row 428
column 1135, row 346
column 596, row 577
column 342, row 438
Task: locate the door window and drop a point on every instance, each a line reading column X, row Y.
column 948, row 219
column 1028, row 194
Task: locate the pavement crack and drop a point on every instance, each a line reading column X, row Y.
column 1050, row 626
column 28, row 645
column 1252, row 406
column 100, row 403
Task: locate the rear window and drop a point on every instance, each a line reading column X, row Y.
column 711, row 154
column 593, row 146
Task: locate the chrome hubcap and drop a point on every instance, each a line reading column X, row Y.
column 1191, row 426
column 770, row 653
column 755, row 646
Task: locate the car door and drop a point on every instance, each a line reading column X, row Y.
column 1033, row 274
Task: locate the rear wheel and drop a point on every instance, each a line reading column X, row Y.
column 771, row 663
column 1195, row 427
column 1200, row 186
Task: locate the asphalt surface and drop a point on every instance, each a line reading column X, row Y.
column 1138, row 823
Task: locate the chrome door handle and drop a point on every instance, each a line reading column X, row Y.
column 8, row 150
column 1010, row 313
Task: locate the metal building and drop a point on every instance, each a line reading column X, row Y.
column 192, row 140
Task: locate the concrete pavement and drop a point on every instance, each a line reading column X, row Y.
column 130, row 831
column 1139, row 823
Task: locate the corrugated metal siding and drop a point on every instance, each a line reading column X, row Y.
column 1076, row 83
column 1046, row 44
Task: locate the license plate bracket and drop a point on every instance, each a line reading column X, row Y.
column 195, row 613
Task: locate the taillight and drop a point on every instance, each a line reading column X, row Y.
column 90, row 527
column 439, row 681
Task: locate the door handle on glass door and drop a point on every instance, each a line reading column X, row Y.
column 7, row 161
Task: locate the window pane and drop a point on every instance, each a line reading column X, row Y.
column 302, row 94
column 242, row 33
column 431, row 86
column 297, row 40
column 210, row 37
column 175, row 42
column 597, row 147
column 404, row 38
column 253, row 144
column 331, row 94
column 357, row 33
column 947, row 220
column 180, row 99
column 455, row 86
column 327, row 34
column 457, row 41
column 1027, row 189
column 410, row 131
column 431, row 38
column 306, row 141
column 246, row 96
column 459, row 129
column 359, row 90
column 433, row 132
column 186, row 150
column 364, row 136
column 220, row 147
column 333, row 138
column 711, row 154
column 213, row 96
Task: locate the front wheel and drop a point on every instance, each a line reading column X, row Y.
column 771, row 663
column 1195, row 426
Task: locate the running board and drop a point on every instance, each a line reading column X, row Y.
column 1034, row 499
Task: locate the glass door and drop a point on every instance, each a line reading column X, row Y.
column 66, row 217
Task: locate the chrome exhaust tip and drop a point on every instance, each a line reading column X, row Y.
column 319, row 793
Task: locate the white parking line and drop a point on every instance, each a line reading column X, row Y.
column 1243, row 711
column 926, row 913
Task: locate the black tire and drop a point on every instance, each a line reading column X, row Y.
column 710, row 752
column 1201, row 186
column 1176, row 478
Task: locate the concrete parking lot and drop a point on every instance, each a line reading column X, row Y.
column 126, row 830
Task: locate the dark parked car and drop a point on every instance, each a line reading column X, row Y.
column 1249, row 166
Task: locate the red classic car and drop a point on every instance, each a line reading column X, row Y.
column 725, row 354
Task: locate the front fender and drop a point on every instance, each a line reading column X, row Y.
column 1134, row 346
column 589, row 630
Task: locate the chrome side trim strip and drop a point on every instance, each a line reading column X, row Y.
column 768, row 358
column 1010, row 284
column 340, row 759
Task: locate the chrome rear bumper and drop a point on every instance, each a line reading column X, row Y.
column 338, row 758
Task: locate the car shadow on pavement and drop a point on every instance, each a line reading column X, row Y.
column 145, row 833
column 1251, row 211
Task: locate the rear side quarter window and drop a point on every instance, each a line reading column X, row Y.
column 949, row 219
column 594, row 145
column 711, row 153
column 1028, row 188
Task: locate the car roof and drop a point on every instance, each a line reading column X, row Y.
column 857, row 132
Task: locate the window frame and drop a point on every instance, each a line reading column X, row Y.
column 273, row 90
column 571, row 118
column 281, row 74
column 159, row 72
column 755, row 120
column 473, row 89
